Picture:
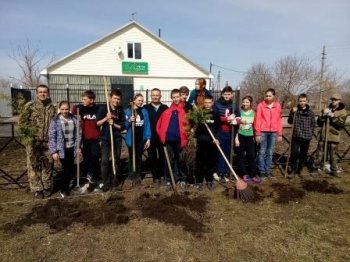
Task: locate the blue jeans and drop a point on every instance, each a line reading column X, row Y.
column 267, row 146
column 225, row 144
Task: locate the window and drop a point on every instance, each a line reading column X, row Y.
column 134, row 50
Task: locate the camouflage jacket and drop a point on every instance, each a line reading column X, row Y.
column 336, row 123
column 34, row 120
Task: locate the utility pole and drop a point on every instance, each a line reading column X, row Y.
column 321, row 76
column 218, row 80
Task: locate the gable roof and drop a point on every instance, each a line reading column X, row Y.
column 128, row 26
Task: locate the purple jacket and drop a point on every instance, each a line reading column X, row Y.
column 56, row 136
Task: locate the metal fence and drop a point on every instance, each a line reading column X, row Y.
column 74, row 95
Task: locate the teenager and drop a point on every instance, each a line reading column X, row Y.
column 206, row 150
column 63, row 144
column 90, row 136
column 115, row 119
column 142, row 136
column 245, row 142
column 304, row 123
column 184, row 92
column 268, row 129
column 199, row 93
column 226, row 112
column 335, row 117
column 171, row 129
column 155, row 151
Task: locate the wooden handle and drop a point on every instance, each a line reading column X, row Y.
column 78, row 146
column 110, row 127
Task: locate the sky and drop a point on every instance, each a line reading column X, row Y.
column 233, row 35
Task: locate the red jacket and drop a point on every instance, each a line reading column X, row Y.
column 163, row 123
column 268, row 119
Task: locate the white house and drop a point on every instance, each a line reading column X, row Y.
column 131, row 58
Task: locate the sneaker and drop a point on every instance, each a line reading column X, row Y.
column 183, row 185
column 216, row 177
column 47, row 192
column 199, row 187
column 247, row 179
column 39, row 194
column 256, row 180
column 168, row 186
column 64, row 194
column 210, row 186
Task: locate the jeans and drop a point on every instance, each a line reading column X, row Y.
column 225, row 144
column 139, row 146
column 173, row 149
column 267, row 146
column 91, row 158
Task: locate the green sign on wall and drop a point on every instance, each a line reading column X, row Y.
column 134, row 67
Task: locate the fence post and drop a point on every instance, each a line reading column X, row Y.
column 68, row 98
column 146, row 96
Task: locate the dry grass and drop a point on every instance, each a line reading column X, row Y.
column 291, row 221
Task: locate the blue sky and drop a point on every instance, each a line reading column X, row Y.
column 233, row 34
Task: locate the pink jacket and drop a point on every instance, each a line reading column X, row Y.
column 268, row 119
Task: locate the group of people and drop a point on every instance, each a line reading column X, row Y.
column 163, row 132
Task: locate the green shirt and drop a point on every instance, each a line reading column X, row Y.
column 247, row 129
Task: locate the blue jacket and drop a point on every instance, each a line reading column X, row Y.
column 146, row 126
column 56, row 136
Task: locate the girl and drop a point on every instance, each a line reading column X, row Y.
column 63, row 143
column 268, row 128
column 142, row 135
column 245, row 142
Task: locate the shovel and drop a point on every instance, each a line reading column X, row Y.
column 170, row 170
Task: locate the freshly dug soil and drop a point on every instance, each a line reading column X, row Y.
column 321, row 187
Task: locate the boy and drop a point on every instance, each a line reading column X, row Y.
column 206, row 149
column 90, row 135
column 226, row 112
column 184, row 92
column 116, row 119
column 155, row 151
column 171, row 129
column 304, row 124
column 199, row 93
column 335, row 117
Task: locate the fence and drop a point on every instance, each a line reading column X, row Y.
column 74, row 95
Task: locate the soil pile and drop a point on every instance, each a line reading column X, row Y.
column 321, row 187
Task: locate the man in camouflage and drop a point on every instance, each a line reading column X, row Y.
column 332, row 120
column 34, row 122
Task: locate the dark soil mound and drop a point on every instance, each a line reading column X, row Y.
column 60, row 214
column 285, row 193
column 178, row 210
column 321, row 187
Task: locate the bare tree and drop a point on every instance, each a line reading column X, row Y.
column 257, row 81
column 30, row 61
column 293, row 76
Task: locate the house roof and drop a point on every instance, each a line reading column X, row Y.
column 112, row 34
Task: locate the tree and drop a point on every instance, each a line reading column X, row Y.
column 293, row 76
column 257, row 81
column 30, row 60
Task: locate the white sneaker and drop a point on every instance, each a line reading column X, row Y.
column 216, row 177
